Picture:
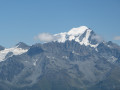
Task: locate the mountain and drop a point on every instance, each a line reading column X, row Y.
column 22, row 45
column 20, row 48
column 83, row 35
column 75, row 60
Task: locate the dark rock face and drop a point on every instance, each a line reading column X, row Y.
column 92, row 38
column 22, row 45
column 34, row 50
column 1, row 48
column 63, row 66
column 9, row 55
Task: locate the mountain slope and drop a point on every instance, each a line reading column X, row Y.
column 68, row 65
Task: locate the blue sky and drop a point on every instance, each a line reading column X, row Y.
column 21, row 20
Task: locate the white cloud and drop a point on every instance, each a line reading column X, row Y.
column 46, row 37
column 117, row 38
column 98, row 38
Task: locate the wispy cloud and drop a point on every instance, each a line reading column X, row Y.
column 46, row 37
column 117, row 38
column 98, row 38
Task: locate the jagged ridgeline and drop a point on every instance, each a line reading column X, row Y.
column 77, row 60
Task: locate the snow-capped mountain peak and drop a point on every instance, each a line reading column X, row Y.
column 9, row 52
column 82, row 35
column 22, row 45
column 78, row 31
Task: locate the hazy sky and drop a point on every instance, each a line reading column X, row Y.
column 21, row 20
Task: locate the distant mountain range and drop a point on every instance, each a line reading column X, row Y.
column 76, row 60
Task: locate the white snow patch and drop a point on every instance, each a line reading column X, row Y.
column 49, row 57
column 14, row 50
column 85, row 40
column 112, row 59
column 65, row 57
column 75, row 53
column 35, row 61
column 62, row 37
column 77, row 31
